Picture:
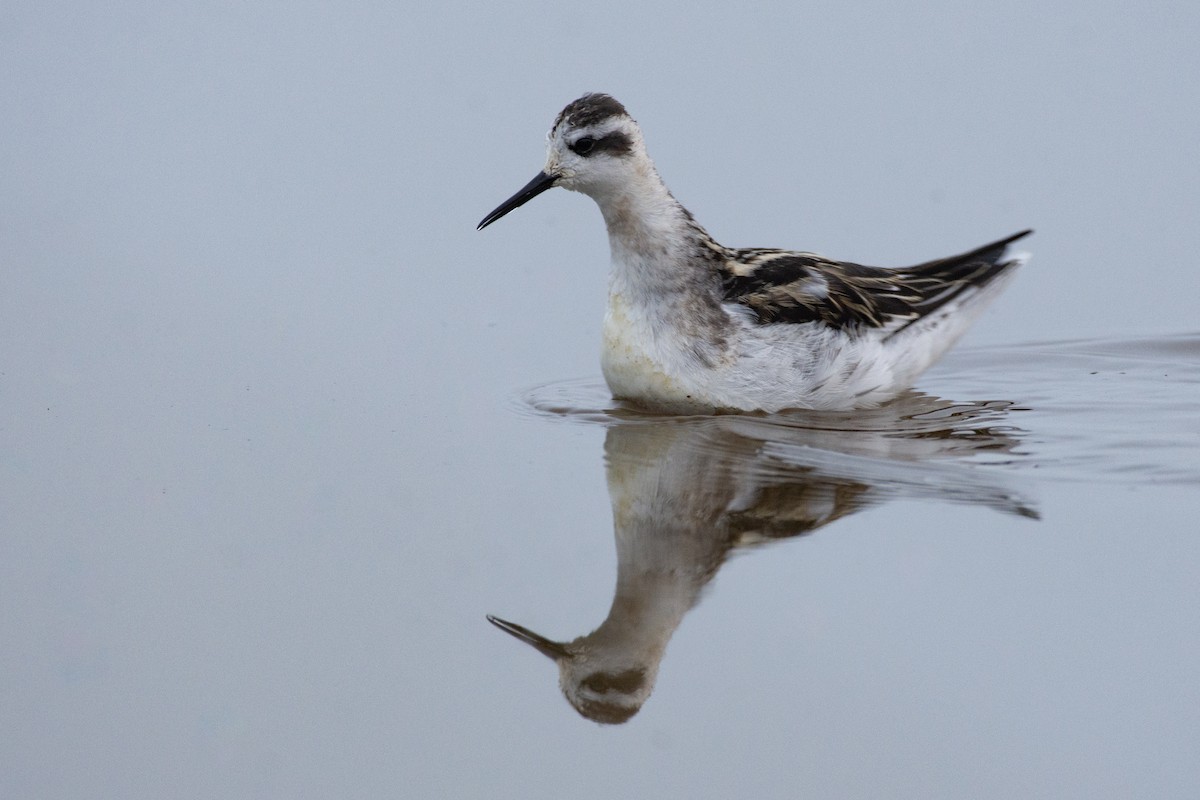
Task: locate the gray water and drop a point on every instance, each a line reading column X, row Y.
column 279, row 430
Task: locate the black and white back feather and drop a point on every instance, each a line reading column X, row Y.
column 784, row 286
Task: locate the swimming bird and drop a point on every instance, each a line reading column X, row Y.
column 693, row 326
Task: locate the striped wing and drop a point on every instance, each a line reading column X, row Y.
column 782, row 286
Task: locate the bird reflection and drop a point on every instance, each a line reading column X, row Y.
column 687, row 492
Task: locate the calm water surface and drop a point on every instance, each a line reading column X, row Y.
column 1006, row 587
column 984, row 589
column 269, row 455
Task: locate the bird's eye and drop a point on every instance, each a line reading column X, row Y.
column 584, row 145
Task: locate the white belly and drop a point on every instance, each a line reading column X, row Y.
column 770, row 368
column 634, row 364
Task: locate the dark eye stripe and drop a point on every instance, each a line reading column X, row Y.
column 615, row 143
column 625, row 682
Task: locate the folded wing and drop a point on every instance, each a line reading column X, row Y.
column 782, row 286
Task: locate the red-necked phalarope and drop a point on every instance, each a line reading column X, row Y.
column 694, row 326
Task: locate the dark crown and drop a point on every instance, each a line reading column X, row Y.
column 591, row 109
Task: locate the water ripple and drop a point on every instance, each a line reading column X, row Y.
column 1118, row 410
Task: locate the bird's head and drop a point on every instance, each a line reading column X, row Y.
column 594, row 147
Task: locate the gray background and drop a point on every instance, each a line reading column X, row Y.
column 263, row 463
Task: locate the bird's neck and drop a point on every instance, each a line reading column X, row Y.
column 658, row 250
column 646, row 610
column 664, row 559
column 643, row 219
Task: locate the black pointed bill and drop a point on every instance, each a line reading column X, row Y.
column 544, row 646
column 539, row 184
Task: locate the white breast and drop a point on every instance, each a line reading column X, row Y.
column 627, row 358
